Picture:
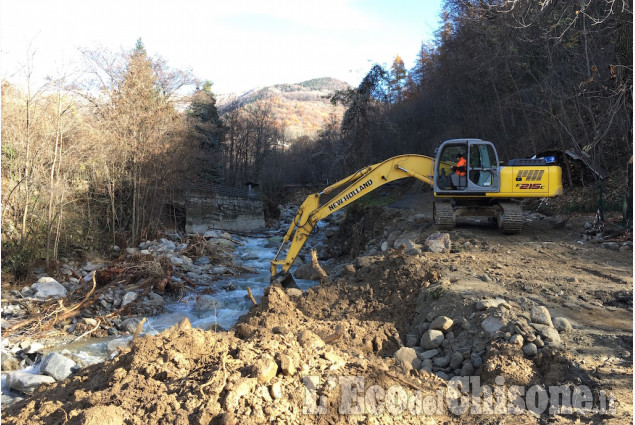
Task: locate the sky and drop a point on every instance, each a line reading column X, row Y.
column 237, row 44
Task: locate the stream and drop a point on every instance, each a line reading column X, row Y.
column 225, row 308
column 222, row 312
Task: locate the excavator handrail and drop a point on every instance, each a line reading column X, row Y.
column 360, row 184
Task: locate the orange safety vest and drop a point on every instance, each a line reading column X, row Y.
column 462, row 163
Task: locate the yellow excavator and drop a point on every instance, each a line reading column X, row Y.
column 467, row 178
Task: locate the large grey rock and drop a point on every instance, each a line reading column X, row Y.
column 613, row 246
column 176, row 261
column 441, row 361
column 307, row 272
column 492, row 324
column 47, row 287
column 477, row 360
column 27, row 382
column 442, row 323
column 206, row 302
column 562, row 324
column 222, row 242
column 407, row 240
column 540, row 314
column 201, row 261
column 530, row 349
column 407, row 355
column 57, row 366
column 294, row 292
column 9, row 362
column 215, row 234
column 128, row 298
column 154, row 299
column 491, row 303
column 429, row 354
column 438, row 242
column 167, row 244
column 130, row 324
column 467, row 369
column 431, row 339
column 456, row 361
column 550, row 334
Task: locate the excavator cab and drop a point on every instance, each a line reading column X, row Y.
column 482, row 173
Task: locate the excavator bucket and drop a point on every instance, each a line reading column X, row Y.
column 285, row 280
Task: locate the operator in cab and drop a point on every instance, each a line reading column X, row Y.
column 461, row 165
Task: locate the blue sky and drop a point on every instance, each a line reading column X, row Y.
column 238, row 45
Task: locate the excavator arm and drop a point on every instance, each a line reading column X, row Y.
column 356, row 185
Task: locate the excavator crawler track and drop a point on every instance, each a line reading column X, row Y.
column 510, row 219
column 444, row 216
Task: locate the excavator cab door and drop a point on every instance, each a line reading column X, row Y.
column 482, row 174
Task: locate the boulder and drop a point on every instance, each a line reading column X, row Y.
column 441, row 362
column 429, row 354
column 562, row 324
column 265, row 369
column 442, row 323
column 407, row 355
column 438, row 242
column 456, row 360
column 128, row 298
column 47, row 287
column 550, row 334
column 153, row 299
column 294, row 292
column 201, row 261
column 212, row 234
column 130, row 324
column 467, row 369
column 530, row 349
column 540, row 314
column 431, row 339
column 9, row 362
column 491, row 303
column 222, row 243
column 27, row 382
column 407, row 240
column 57, row 366
column 307, row 272
column 492, row 324
column 287, row 365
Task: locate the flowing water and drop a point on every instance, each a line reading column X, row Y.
column 224, row 310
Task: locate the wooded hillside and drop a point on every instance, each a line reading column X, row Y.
column 90, row 161
column 300, row 109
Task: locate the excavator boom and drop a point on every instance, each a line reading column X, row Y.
column 355, row 186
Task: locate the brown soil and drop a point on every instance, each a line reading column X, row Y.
column 352, row 326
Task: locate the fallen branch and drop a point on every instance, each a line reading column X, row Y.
column 139, row 329
column 188, row 281
column 87, row 333
column 339, row 331
column 316, row 266
column 251, row 296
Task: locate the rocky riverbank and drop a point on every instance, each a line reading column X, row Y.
column 414, row 312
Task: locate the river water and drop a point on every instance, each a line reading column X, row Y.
column 222, row 313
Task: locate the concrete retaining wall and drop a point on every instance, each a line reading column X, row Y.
column 224, row 213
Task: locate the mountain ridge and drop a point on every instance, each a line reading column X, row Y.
column 302, row 109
